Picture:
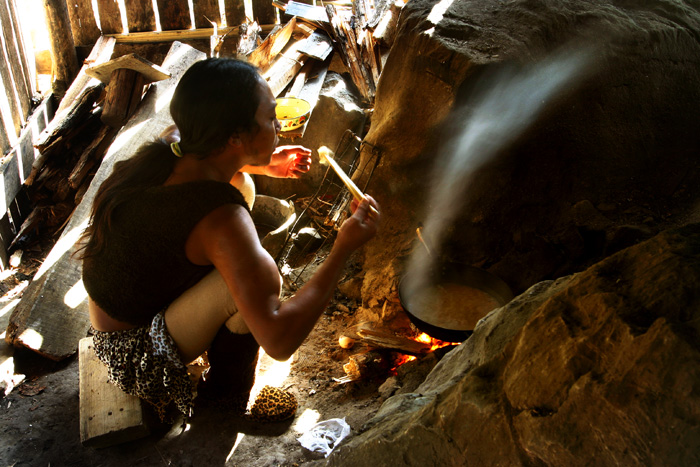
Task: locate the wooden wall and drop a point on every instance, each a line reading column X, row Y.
column 163, row 15
column 20, row 123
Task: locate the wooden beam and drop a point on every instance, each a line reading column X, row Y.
column 52, row 316
column 206, row 12
column 140, row 15
column 110, row 17
column 174, row 14
column 181, row 35
column 83, row 23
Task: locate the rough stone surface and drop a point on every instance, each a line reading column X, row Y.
column 609, row 161
column 596, row 368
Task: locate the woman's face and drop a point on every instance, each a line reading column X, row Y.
column 260, row 143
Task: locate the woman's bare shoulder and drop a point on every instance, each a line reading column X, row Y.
column 227, row 230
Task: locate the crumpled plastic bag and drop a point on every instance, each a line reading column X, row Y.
column 325, row 436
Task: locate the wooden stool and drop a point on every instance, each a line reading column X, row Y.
column 108, row 415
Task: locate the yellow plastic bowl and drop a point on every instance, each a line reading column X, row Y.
column 292, row 112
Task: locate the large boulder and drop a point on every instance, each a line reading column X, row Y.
column 601, row 367
column 608, row 160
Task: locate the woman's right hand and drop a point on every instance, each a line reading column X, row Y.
column 359, row 228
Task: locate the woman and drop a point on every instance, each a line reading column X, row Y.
column 172, row 262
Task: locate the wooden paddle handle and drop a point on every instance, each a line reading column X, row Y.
column 354, row 190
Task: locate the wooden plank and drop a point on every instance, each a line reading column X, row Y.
column 12, row 111
column 271, row 46
column 83, row 22
column 206, row 12
column 52, row 316
column 174, row 14
column 140, row 15
column 318, row 45
column 6, row 129
column 9, row 176
column 150, row 71
column 6, row 236
column 234, row 13
column 264, row 12
column 108, row 415
column 25, row 54
column 317, row 14
column 110, row 17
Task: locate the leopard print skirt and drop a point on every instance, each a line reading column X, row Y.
column 145, row 362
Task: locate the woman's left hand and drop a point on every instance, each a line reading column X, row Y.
column 289, row 162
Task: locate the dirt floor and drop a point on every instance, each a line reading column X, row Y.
column 39, row 416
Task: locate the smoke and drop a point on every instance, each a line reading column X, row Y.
column 499, row 110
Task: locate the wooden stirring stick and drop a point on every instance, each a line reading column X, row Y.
column 326, row 154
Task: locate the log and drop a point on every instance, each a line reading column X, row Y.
column 52, row 317
column 83, row 23
column 234, row 12
column 63, row 54
column 124, row 93
column 140, row 15
column 91, row 156
column 174, row 14
column 206, row 12
column 53, row 136
column 110, row 17
column 108, row 415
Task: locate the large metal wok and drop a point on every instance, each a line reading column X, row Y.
column 447, row 300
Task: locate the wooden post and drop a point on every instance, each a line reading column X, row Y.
column 65, row 59
column 206, row 12
column 110, row 17
column 235, row 12
column 174, row 14
column 83, row 23
column 140, row 15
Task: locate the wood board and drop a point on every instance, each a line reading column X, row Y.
column 151, row 71
column 108, row 415
column 52, row 316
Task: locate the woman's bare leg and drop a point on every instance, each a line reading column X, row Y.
column 195, row 317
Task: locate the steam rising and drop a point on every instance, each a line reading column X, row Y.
column 500, row 111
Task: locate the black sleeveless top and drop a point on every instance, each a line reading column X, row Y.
column 143, row 267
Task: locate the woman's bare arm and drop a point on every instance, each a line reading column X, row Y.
column 227, row 239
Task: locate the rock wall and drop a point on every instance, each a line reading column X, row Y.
column 596, row 368
column 608, row 162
